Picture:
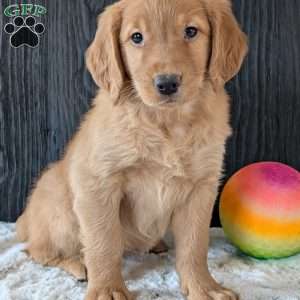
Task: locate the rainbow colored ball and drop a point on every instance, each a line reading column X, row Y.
column 260, row 210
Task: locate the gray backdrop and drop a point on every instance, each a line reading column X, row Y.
column 45, row 91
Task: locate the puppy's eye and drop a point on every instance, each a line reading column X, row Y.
column 190, row 32
column 137, row 38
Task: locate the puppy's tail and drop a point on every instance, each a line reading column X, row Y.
column 22, row 229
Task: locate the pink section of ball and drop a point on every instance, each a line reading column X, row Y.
column 280, row 175
column 270, row 188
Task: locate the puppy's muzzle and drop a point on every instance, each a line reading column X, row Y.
column 167, row 84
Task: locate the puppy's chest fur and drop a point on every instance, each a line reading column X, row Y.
column 169, row 166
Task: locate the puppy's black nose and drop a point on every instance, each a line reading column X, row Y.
column 167, row 84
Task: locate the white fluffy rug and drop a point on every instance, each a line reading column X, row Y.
column 149, row 276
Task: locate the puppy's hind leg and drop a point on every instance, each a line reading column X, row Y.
column 72, row 265
column 21, row 227
column 52, row 230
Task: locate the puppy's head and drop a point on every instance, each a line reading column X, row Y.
column 166, row 49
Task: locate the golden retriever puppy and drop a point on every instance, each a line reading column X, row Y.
column 149, row 154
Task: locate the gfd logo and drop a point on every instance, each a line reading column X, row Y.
column 24, row 30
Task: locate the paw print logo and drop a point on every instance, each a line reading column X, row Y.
column 24, row 32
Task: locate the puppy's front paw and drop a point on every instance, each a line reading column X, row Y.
column 222, row 294
column 108, row 294
column 211, row 291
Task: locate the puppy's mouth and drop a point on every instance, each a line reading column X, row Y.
column 168, row 101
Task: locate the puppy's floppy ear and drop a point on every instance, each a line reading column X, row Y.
column 103, row 57
column 229, row 43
